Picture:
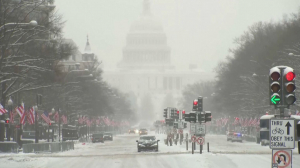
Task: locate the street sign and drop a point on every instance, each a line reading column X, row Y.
column 193, row 128
column 282, row 134
column 200, row 129
column 194, row 138
column 200, row 140
column 281, row 158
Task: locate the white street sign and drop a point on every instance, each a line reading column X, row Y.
column 192, row 128
column 200, row 129
column 282, row 134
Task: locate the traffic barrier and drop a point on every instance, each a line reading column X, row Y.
column 9, row 147
column 48, row 147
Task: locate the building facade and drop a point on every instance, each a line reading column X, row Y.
column 146, row 68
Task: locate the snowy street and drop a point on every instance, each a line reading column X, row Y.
column 122, row 153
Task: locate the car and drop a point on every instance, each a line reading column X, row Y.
column 237, row 137
column 229, row 135
column 132, row 131
column 147, row 142
column 108, row 136
column 143, row 132
column 98, row 137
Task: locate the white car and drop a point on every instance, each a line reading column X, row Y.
column 237, row 137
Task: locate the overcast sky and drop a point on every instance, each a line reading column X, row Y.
column 198, row 31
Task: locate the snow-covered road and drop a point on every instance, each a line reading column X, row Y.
column 122, row 153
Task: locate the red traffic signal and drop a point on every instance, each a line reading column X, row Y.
column 290, row 76
column 177, row 111
column 195, row 102
column 183, row 112
column 7, row 121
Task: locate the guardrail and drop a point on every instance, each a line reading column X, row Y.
column 9, row 147
column 48, row 147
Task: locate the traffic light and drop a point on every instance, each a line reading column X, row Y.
column 169, row 122
column 201, row 117
column 177, row 114
column 274, row 82
column 175, row 125
column 184, row 125
column 289, row 86
column 183, row 114
column 190, row 117
column 6, row 121
column 207, row 116
column 195, row 105
column 200, row 103
column 166, row 113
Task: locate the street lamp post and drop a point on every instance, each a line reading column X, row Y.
column 58, row 124
column 53, row 111
column 10, row 104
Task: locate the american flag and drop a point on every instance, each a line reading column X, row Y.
column 2, row 110
column 236, row 121
column 22, row 121
column 254, row 122
column 32, row 114
column 64, row 119
column 46, row 118
column 20, row 110
column 28, row 118
column 12, row 116
column 56, row 116
column 98, row 121
column 88, row 122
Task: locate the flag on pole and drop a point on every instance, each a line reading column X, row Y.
column 28, row 118
column 56, row 116
column 2, row 110
column 22, row 121
column 32, row 114
column 20, row 110
column 64, row 119
column 46, row 118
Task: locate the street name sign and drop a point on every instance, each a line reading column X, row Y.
column 282, row 134
column 200, row 129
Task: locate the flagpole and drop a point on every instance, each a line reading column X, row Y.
column 36, row 125
column 58, row 125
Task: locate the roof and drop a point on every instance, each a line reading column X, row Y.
column 87, row 49
column 267, row 116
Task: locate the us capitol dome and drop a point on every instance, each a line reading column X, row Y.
column 146, row 44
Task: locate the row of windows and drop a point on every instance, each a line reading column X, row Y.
column 146, row 41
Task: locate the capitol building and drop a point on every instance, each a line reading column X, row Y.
column 146, row 67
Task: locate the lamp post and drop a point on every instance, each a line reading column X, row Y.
column 10, row 104
column 58, row 124
column 53, row 111
column 36, row 124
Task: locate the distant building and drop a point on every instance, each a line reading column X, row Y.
column 146, row 64
column 78, row 60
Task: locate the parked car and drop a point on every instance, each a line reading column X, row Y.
column 108, row 136
column 143, row 132
column 147, row 142
column 229, row 135
column 97, row 138
column 237, row 137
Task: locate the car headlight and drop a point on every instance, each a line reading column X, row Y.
column 154, row 144
column 141, row 145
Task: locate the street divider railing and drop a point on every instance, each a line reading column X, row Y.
column 48, row 147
